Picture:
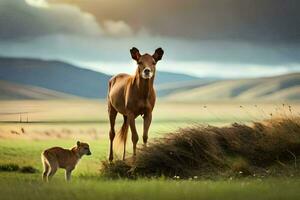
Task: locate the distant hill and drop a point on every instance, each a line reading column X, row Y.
column 54, row 75
column 171, row 77
column 42, row 79
column 66, row 78
column 166, row 89
column 15, row 91
column 285, row 87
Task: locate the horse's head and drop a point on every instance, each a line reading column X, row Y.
column 146, row 63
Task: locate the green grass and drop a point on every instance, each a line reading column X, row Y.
column 87, row 183
column 24, row 186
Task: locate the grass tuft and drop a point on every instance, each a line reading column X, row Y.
column 209, row 150
column 117, row 169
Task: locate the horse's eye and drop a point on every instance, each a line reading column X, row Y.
column 140, row 63
column 154, row 63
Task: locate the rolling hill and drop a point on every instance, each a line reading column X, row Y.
column 64, row 78
column 166, row 89
column 10, row 91
column 162, row 78
column 22, row 78
column 54, row 75
column 284, row 87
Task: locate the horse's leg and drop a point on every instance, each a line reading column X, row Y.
column 134, row 134
column 147, row 122
column 125, row 126
column 112, row 119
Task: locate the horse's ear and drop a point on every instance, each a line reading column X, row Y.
column 135, row 54
column 78, row 143
column 158, row 54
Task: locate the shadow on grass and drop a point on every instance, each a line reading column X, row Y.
column 16, row 168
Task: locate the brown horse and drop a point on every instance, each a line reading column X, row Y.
column 133, row 96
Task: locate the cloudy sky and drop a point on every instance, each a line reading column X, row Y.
column 215, row 38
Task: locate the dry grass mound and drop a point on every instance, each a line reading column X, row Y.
column 208, row 150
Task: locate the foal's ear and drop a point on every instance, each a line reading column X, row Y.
column 135, row 54
column 78, row 143
column 158, row 54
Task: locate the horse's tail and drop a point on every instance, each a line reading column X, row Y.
column 123, row 131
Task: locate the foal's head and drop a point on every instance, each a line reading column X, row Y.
column 146, row 63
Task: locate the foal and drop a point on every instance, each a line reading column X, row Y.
column 133, row 95
column 57, row 157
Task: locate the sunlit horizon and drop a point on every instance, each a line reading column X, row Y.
column 196, row 69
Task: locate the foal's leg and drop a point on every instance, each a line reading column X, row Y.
column 68, row 174
column 134, row 134
column 147, row 122
column 112, row 119
column 46, row 170
column 52, row 171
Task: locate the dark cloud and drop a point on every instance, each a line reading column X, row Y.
column 267, row 21
column 220, row 33
column 20, row 21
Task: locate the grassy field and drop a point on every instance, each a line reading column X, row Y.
column 62, row 123
column 29, row 187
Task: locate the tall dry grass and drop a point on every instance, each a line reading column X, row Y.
column 209, row 150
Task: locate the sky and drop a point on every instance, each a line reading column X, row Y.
column 205, row 38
